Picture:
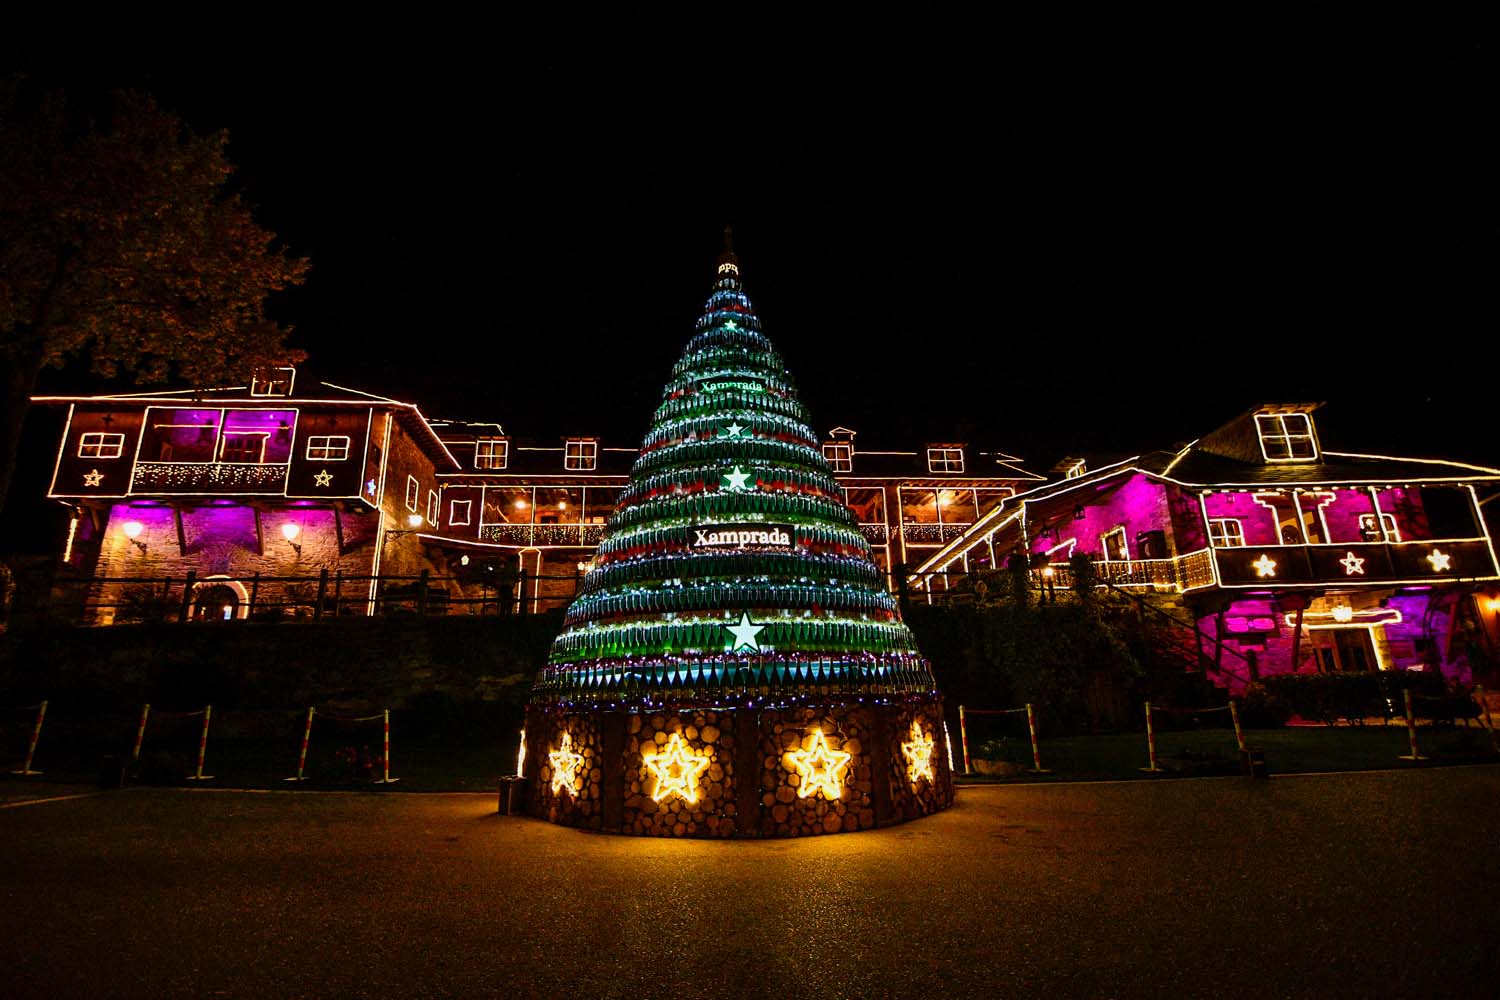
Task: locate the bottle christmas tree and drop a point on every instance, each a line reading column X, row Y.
column 732, row 570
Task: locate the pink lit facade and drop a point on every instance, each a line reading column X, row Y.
column 1294, row 557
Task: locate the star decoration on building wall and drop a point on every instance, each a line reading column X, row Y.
column 324, row 478
column 820, row 768
column 918, row 754
column 676, row 769
column 1440, row 561
column 1353, row 564
column 734, row 430
column 745, row 633
column 1264, row 566
column 93, row 477
column 565, row 767
column 736, row 480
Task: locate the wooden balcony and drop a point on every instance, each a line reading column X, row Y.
column 207, row 477
column 1411, row 562
column 542, row 536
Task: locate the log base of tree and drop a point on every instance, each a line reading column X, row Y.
column 735, row 772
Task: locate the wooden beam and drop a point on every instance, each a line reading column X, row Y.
column 338, row 528
column 260, row 537
column 181, row 535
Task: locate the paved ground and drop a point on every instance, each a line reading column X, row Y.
column 1365, row 885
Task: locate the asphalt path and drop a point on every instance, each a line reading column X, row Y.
column 1371, row 884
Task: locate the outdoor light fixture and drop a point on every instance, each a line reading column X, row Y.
column 290, row 531
column 414, row 521
column 463, row 560
column 520, row 505
column 132, row 531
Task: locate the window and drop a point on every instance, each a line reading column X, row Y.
column 328, row 448
column 432, row 508
column 840, row 456
column 272, row 381
column 1286, row 437
column 945, row 460
column 99, row 444
column 1226, row 532
column 1367, row 532
column 458, row 511
column 1112, row 543
column 413, row 491
column 491, row 453
column 243, row 446
column 582, row 455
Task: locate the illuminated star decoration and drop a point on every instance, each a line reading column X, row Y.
column 1440, row 561
column 324, row 478
column 1264, row 566
column 565, row 766
column 745, row 633
column 820, row 768
column 93, row 477
column 735, row 480
column 676, row 769
column 730, row 325
column 918, row 754
column 1353, row 564
column 733, row 430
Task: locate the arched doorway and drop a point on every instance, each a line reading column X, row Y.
column 218, row 598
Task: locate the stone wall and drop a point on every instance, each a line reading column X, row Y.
column 715, row 773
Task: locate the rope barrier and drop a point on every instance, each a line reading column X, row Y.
column 208, row 714
column 140, row 733
column 385, row 761
column 1036, row 753
column 351, row 718
column 36, row 734
column 302, row 756
column 1239, row 734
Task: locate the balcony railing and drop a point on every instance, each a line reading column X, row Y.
column 1184, row 573
column 932, row 534
column 543, row 535
column 1433, row 560
column 202, row 477
column 876, row 534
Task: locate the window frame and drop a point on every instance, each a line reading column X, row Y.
column 839, row 455
column 587, row 452
column 1286, row 436
column 413, row 493
column 327, row 448
column 493, row 460
column 453, row 521
column 1389, row 531
column 1124, row 544
column 434, row 508
column 118, row 444
column 1226, row 539
column 943, row 455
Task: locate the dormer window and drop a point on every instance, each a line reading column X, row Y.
column 1286, row 437
column 491, row 453
column 581, row 455
column 945, row 458
column 840, row 455
column 272, row 381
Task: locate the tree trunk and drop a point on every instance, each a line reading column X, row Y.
column 20, row 365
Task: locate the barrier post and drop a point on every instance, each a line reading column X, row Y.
column 1150, row 742
column 302, row 755
column 1411, row 730
column 1036, row 753
column 963, row 738
column 208, row 711
column 1239, row 734
column 36, row 734
column 1484, row 708
column 140, row 733
column 385, row 756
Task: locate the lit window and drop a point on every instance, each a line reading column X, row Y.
column 458, row 511
column 99, row 444
column 328, row 448
column 1225, row 532
column 945, row 460
column 581, row 455
column 272, row 382
column 1367, row 532
column 840, row 456
column 1112, row 544
column 491, row 453
column 243, row 446
column 1286, row 437
column 413, row 492
column 432, row 508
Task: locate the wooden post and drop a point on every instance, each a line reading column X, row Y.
column 187, row 596
column 1297, row 639
column 963, row 739
column 1411, row 729
column 254, row 593
column 521, row 588
column 338, row 592
column 322, row 593
column 422, row 592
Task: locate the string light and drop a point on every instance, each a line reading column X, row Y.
column 918, row 754
column 565, row 767
column 820, row 768
column 1265, row 565
column 676, row 769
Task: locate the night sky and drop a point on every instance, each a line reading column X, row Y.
column 1051, row 248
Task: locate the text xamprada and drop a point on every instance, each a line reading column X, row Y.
column 739, row 536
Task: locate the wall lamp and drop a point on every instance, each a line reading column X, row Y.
column 290, row 531
column 133, row 531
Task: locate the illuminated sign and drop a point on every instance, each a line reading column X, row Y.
column 739, row 536
column 726, row 384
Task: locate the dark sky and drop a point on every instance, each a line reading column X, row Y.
column 1043, row 245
